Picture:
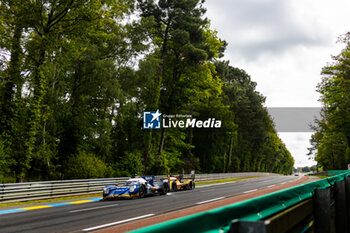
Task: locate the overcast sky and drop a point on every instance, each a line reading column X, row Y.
column 283, row 45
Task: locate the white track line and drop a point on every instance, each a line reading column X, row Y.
column 271, row 186
column 93, row 208
column 250, row 191
column 116, row 223
column 215, row 199
column 284, row 183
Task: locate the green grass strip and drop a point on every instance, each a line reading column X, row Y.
column 323, row 177
column 225, row 180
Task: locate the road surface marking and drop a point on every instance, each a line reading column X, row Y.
column 284, row 183
column 215, row 199
column 11, row 211
column 271, row 186
column 47, row 206
column 61, row 204
column 116, row 223
column 93, row 208
column 250, row 191
column 35, row 207
column 78, row 202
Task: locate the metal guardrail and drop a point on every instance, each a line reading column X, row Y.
column 14, row 192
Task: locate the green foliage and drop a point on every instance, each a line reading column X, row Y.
column 256, row 144
column 332, row 139
column 4, row 166
column 129, row 165
column 86, row 166
column 80, row 74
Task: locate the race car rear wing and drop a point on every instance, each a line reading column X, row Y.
column 149, row 179
column 192, row 177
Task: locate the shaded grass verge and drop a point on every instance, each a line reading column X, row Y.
column 226, row 180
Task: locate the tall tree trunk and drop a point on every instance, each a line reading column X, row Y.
column 189, row 135
column 36, row 108
column 229, row 154
column 12, row 79
column 161, row 144
column 9, row 110
column 156, row 97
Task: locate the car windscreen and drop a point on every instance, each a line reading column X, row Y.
column 130, row 182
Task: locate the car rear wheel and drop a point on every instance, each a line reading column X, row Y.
column 190, row 186
column 142, row 192
column 174, row 186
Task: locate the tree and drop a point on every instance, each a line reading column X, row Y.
column 76, row 77
column 331, row 141
column 178, row 37
column 258, row 147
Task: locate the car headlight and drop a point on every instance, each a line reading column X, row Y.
column 105, row 190
column 132, row 188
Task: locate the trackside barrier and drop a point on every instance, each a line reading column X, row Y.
column 14, row 192
column 304, row 208
column 329, row 173
column 336, row 172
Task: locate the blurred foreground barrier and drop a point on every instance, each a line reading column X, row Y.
column 14, row 192
column 320, row 206
column 329, row 173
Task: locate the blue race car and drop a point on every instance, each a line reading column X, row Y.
column 136, row 187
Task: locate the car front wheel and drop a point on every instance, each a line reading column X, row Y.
column 165, row 189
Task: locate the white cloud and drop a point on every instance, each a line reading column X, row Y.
column 255, row 27
column 283, row 45
column 297, row 144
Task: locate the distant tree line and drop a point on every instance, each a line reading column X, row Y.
column 76, row 77
column 305, row 169
column 331, row 142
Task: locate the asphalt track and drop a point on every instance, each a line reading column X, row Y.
column 97, row 215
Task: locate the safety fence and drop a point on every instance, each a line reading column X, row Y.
column 328, row 173
column 320, row 206
column 14, row 192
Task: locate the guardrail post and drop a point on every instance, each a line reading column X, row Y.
column 341, row 224
column 51, row 192
column 247, row 226
column 347, row 193
column 322, row 210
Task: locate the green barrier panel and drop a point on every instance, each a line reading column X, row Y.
column 218, row 220
column 336, row 172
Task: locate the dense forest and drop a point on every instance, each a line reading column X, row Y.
column 331, row 141
column 76, row 77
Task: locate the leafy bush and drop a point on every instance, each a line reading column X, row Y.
column 130, row 165
column 85, row 166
